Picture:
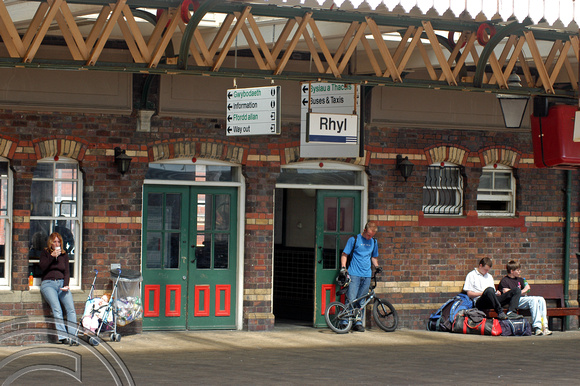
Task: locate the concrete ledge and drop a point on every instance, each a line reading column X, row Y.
column 34, row 296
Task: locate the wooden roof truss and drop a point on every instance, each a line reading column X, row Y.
column 445, row 64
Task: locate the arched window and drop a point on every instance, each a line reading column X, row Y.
column 56, row 207
column 5, row 222
column 496, row 194
column 443, row 190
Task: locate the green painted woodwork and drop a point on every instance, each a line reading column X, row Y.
column 189, row 257
column 337, row 219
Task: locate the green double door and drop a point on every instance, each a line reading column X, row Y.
column 337, row 219
column 189, row 257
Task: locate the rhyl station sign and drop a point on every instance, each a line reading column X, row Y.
column 329, row 120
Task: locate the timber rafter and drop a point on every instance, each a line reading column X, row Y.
column 424, row 57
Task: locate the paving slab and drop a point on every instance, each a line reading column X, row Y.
column 292, row 355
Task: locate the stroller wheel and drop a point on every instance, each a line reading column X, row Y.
column 116, row 337
column 93, row 342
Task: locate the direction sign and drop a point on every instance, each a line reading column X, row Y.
column 253, row 111
column 329, row 99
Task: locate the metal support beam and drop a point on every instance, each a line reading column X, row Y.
column 510, row 29
column 203, row 9
column 411, row 63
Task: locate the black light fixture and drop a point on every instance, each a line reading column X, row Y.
column 122, row 160
column 405, row 166
column 513, row 107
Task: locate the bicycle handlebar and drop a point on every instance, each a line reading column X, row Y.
column 374, row 280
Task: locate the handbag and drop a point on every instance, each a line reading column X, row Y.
column 486, row 326
column 518, row 327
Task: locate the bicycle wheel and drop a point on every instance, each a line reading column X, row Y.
column 337, row 318
column 385, row 315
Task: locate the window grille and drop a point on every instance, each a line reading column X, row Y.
column 443, row 191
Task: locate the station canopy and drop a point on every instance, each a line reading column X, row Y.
column 471, row 45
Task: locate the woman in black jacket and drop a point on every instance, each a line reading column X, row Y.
column 55, row 288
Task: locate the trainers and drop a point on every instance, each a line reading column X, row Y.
column 547, row 332
column 502, row 316
column 513, row 315
column 359, row 328
column 538, row 331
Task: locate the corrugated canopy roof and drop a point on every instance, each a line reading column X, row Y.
column 557, row 13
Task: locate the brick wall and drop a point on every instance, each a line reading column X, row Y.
column 425, row 258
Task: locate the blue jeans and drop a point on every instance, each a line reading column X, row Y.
column 359, row 286
column 54, row 296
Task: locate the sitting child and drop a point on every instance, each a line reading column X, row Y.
column 95, row 311
column 536, row 304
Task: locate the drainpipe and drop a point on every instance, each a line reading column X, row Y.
column 567, row 245
column 567, row 239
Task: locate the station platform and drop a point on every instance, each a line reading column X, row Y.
column 293, row 354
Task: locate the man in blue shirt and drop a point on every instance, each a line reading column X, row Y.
column 364, row 255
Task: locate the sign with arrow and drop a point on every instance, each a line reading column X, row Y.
column 253, row 111
column 324, row 107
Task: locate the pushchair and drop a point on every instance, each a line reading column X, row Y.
column 99, row 315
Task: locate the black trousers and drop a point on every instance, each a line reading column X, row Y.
column 490, row 300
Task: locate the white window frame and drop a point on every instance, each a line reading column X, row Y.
column 496, row 194
column 6, row 280
column 75, row 279
column 438, row 191
column 237, row 177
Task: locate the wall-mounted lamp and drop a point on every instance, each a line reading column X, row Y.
column 122, row 160
column 513, row 107
column 405, row 166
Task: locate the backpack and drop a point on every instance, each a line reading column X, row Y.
column 442, row 319
column 516, row 327
column 349, row 257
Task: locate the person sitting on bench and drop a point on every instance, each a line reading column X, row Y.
column 480, row 288
column 536, row 304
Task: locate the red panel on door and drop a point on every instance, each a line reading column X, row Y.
column 205, row 311
column 155, row 289
column 328, row 291
column 225, row 289
column 173, row 291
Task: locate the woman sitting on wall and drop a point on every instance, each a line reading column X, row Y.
column 55, row 290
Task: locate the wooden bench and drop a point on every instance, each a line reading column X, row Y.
column 554, row 295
